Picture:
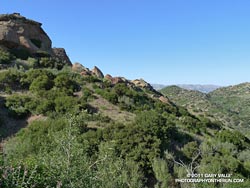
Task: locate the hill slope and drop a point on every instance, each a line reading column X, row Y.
column 229, row 105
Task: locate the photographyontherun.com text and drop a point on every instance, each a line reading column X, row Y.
column 209, row 178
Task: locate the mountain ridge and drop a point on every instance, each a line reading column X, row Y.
column 226, row 104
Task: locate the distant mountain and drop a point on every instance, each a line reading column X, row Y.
column 195, row 87
column 198, row 87
column 229, row 105
column 158, row 86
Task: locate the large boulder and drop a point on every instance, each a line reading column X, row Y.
column 17, row 32
column 97, row 72
column 25, row 37
column 61, row 54
column 115, row 80
column 108, row 77
column 77, row 67
column 142, row 84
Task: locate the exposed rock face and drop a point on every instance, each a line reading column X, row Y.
column 20, row 33
column 116, row 80
column 108, row 77
column 97, row 72
column 164, row 100
column 17, row 32
column 142, row 84
column 86, row 72
column 77, row 67
column 61, row 54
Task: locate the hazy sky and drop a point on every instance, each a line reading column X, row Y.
column 162, row 41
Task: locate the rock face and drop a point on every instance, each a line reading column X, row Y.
column 17, row 32
column 164, row 100
column 142, row 84
column 61, row 54
column 108, row 77
column 77, row 67
column 97, row 72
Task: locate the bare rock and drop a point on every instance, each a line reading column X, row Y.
column 108, row 77
column 142, row 84
column 86, row 72
column 18, row 32
column 61, row 54
column 115, row 80
column 164, row 100
column 77, row 67
column 97, row 72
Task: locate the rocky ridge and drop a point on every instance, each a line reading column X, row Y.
column 137, row 83
column 19, row 34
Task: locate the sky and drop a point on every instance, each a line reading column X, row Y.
column 161, row 41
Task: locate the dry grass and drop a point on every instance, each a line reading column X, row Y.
column 112, row 111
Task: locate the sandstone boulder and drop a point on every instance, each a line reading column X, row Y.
column 86, row 72
column 97, row 72
column 61, row 54
column 108, row 77
column 77, row 67
column 164, row 100
column 17, row 32
column 24, row 36
column 142, row 84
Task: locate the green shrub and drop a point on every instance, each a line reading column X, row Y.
column 5, row 57
column 33, row 74
column 64, row 82
column 11, row 79
column 41, row 83
column 50, row 62
column 66, row 104
column 17, row 105
column 234, row 137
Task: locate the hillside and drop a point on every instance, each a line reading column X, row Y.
column 193, row 87
column 230, row 105
column 67, row 126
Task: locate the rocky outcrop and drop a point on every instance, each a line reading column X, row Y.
column 116, row 80
column 108, row 77
column 86, row 72
column 61, row 54
column 97, row 72
column 142, row 84
column 164, row 100
column 17, row 32
column 77, row 67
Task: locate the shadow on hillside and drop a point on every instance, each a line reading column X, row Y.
column 9, row 126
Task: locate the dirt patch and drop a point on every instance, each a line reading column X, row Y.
column 35, row 118
column 9, row 126
column 112, row 111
